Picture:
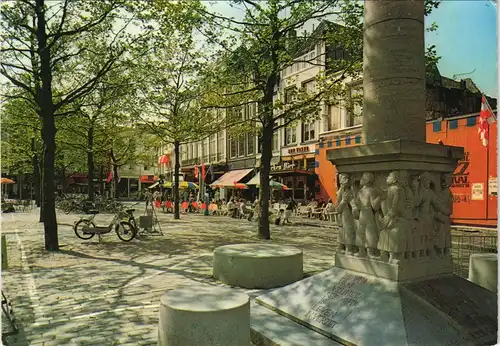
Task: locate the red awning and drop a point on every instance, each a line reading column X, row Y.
column 149, row 178
column 230, row 178
column 164, row 159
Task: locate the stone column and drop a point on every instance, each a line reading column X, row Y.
column 393, row 70
column 394, row 202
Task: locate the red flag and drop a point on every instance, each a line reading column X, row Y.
column 486, row 118
column 203, row 172
column 196, row 171
column 110, row 177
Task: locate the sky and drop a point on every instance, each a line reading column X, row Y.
column 466, row 39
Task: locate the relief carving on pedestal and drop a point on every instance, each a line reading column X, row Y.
column 392, row 241
column 427, row 205
column 346, row 207
column 443, row 217
column 368, row 202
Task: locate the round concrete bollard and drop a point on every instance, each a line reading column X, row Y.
column 204, row 316
column 483, row 270
column 258, row 265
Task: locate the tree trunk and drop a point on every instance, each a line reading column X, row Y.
column 36, row 175
column 177, row 167
column 101, row 180
column 115, row 177
column 64, row 180
column 40, row 169
column 90, row 163
column 265, row 169
column 46, row 105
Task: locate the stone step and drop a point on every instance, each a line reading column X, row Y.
column 268, row 328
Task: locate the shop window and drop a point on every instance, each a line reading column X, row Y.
column 436, row 126
column 471, row 121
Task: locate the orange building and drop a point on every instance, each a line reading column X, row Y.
column 474, row 180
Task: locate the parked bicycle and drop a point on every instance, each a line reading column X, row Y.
column 86, row 229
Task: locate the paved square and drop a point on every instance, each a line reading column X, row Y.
column 107, row 293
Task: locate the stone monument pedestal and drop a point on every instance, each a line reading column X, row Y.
column 358, row 309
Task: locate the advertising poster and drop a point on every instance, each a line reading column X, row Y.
column 477, row 192
column 492, row 186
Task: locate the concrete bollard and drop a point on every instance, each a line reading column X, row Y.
column 483, row 270
column 206, row 316
column 258, row 265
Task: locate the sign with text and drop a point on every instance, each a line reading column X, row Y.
column 477, row 192
column 492, row 186
column 283, row 166
column 298, row 151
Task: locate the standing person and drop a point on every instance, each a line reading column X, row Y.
column 291, row 206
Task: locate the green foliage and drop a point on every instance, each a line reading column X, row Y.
column 19, row 125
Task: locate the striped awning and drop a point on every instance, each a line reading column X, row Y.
column 230, row 178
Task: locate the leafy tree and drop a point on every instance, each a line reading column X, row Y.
column 20, row 138
column 39, row 42
column 170, row 101
column 263, row 44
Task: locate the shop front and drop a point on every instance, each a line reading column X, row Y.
column 296, row 171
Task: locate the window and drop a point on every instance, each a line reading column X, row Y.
column 318, row 54
column 241, row 145
column 332, row 118
column 356, row 99
column 189, row 149
column 206, row 153
column 275, row 144
column 220, row 145
column 308, row 132
column 232, row 147
column 310, row 86
column 288, row 95
column 250, row 143
column 290, row 135
column 183, row 151
column 211, row 148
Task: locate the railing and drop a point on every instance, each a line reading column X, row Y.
column 465, row 245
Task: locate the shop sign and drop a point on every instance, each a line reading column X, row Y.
column 298, row 150
column 284, row 166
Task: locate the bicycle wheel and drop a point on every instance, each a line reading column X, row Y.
column 125, row 231
column 79, row 229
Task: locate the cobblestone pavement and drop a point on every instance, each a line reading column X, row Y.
column 107, row 293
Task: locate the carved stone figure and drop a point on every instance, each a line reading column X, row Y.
column 392, row 240
column 368, row 201
column 408, row 214
column 443, row 216
column 346, row 207
column 418, row 235
column 428, row 204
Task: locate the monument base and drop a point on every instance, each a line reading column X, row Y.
column 358, row 309
column 404, row 271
